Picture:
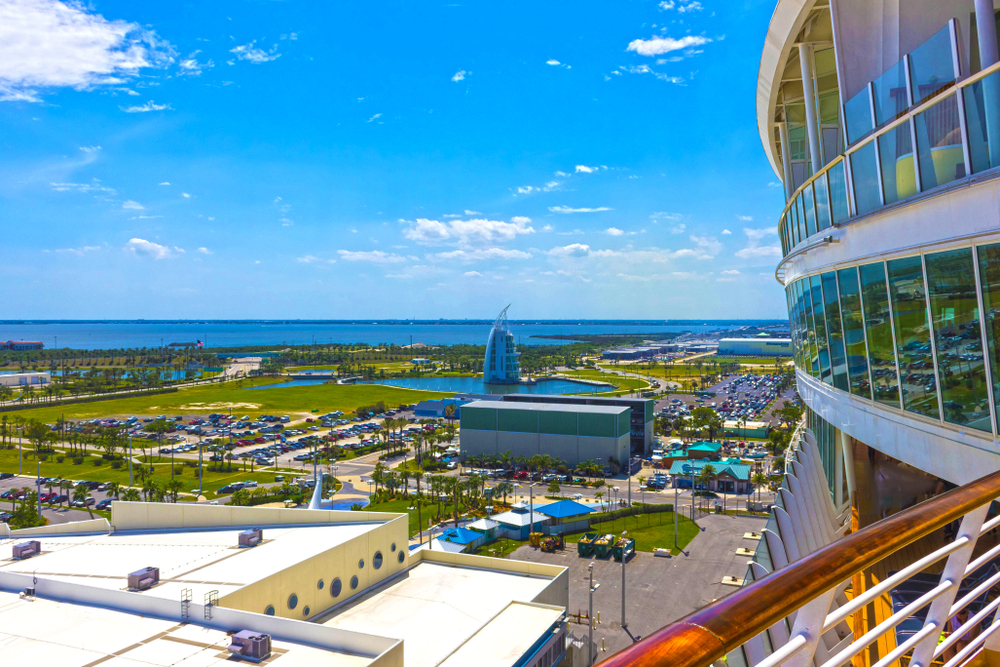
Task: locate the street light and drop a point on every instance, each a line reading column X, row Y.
column 624, row 624
column 590, row 617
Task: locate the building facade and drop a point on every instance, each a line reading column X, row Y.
column 20, row 345
column 569, row 432
column 501, row 364
column 883, row 121
column 758, row 347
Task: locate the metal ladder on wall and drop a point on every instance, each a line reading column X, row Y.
column 211, row 600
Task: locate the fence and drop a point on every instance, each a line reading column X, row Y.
column 631, row 511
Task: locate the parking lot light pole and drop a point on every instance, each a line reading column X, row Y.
column 38, row 488
column 676, row 509
column 200, row 461
column 20, row 461
column 130, row 459
column 624, row 624
column 590, row 617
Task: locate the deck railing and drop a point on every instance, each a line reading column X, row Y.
column 795, row 607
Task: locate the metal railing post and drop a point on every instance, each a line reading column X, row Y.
column 954, row 571
column 809, row 625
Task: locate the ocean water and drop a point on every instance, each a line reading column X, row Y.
column 105, row 335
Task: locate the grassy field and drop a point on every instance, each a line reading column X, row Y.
column 651, row 531
column 621, row 384
column 103, row 472
column 427, row 510
column 321, row 398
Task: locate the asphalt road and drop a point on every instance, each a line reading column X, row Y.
column 55, row 514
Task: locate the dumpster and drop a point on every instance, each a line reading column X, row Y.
column 585, row 546
column 534, row 539
column 603, row 545
column 623, row 548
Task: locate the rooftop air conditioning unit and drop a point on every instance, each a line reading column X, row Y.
column 145, row 578
column 251, row 537
column 27, row 549
column 251, row 645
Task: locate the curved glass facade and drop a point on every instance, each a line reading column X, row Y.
column 919, row 334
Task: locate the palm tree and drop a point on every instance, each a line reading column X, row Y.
column 173, row 488
column 82, row 494
column 131, row 495
column 113, row 489
column 759, row 479
column 64, row 487
column 642, row 487
column 598, row 496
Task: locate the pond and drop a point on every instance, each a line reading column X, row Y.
column 469, row 385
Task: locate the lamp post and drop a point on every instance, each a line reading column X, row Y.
column 676, row 510
column 20, row 461
column 624, row 624
column 130, row 459
column 590, row 617
column 38, row 488
column 200, row 460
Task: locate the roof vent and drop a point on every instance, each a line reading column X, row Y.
column 27, row 549
column 143, row 579
column 251, row 645
column 251, row 537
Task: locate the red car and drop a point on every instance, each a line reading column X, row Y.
column 47, row 497
column 521, row 475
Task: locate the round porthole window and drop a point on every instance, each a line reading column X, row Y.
column 335, row 587
column 270, row 610
column 377, row 560
column 293, row 601
column 361, row 564
column 305, row 610
column 320, row 584
column 354, row 582
column 393, row 548
column 401, row 556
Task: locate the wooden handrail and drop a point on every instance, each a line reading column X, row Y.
column 704, row 636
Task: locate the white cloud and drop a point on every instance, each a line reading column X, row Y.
column 191, row 67
column 204, row 251
column 478, row 255
column 555, row 63
column 571, row 250
column 646, row 69
column 655, row 46
column 754, row 249
column 459, row 76
column 547, row 228
column 48, row 44
column 285, row 222
column 254, row 54
column 78, row 251
column 707, row 243
column 465, row 232
column 678, row 229
column 525, row 189
column 726, row 232
column 374, row 256
column 582, row 168
column 614, row 231
column 94, row 186
column 185, row 195
column 468, row 212
column 147, row 107
column 681, row 7
column 730, row 272
column 165, row 183
column 150, row 249
column 774, row 184
column 745, row 218
column 567, row 209
column 472, row 274
column 145, row 217
column 660, row 215
column 374, row 118
column 134, row 205
column 307, row 259
column 90, row 149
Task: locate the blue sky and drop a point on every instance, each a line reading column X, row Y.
column 257, row 159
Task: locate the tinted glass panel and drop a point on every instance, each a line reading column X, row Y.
column 951, row 282
column 822, row 202
column 854, row 332
column 810, row 211
column 800, row 221
column 878, row 327
column 806, row 355
column 989, row 278
column 858, row 116
column 812, row 361
column 895, row 149
column 913, row 341
column 890, row 94
column 932, row 68
column 982, row 114
column 939, row 144
column 838, row 192
column 838, row 359
column 865, row 175
column 819, row 321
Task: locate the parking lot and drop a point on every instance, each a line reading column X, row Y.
column 658, row 590
column 55, row 513
column 747, row 395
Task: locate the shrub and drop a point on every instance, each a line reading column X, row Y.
column 96, row 462
column 178, row 470
column 60, row 459
column 43, row 457
column 77, row 460
column 116, row 464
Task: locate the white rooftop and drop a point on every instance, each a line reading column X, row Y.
column 44, row 632
column 500, row 643
column 202, row 560
column 435, row 608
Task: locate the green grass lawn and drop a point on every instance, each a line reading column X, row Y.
column 623, row 385
column 428, row 511
column 105, row 473
column 651, row 531
column 220, row 397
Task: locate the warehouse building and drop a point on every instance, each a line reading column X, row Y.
column 24, row 379
column 756, row 347
column 571, row 432
column 640, row 421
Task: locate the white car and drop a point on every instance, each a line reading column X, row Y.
column 250, row 485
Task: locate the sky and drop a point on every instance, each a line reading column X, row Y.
column 391, row 159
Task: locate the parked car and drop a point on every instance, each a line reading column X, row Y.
column 106, row 503
column 60, row 499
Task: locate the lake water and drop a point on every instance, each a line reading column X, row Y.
column 93, row 335
column 467, row 385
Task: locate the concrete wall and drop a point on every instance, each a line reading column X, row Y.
column 570, row 448
column 302, row 578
